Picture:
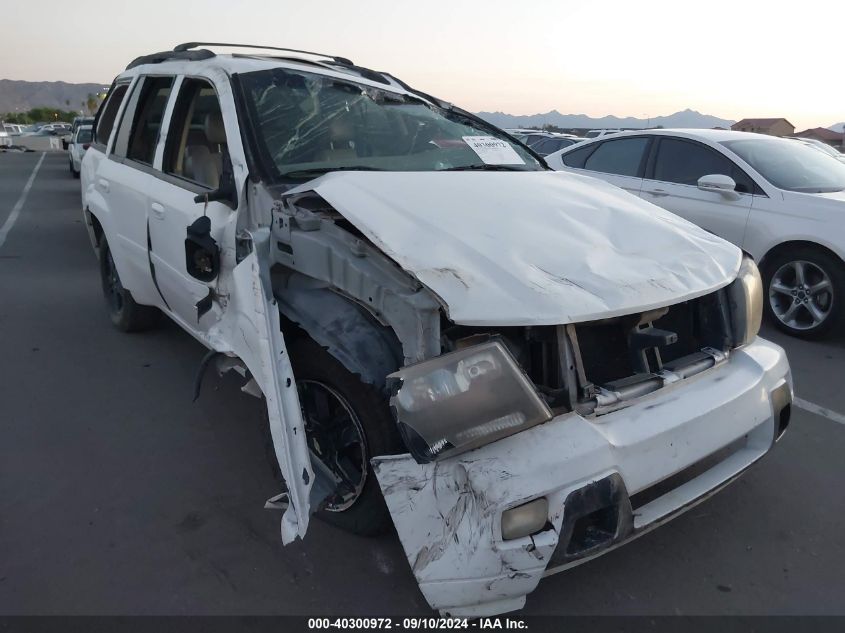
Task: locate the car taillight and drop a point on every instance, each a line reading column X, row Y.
column 86, row 145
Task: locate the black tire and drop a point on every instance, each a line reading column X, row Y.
column 75, row 173
column 125, row 314
column 831, row 303
column 367, row 515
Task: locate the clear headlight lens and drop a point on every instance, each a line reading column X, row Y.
column 463, row 400
column 746, row 299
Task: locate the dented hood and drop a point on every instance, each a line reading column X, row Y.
column 531, row 248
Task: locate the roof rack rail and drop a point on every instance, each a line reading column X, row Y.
column 182, row 48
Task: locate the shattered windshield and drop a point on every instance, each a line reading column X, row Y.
column 308, row 124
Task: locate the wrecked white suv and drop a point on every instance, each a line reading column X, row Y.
column 521, row 368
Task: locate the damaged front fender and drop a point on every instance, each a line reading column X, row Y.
column 250, row 329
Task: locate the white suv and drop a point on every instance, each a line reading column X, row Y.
column 530, row 368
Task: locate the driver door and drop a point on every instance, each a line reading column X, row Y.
column 234, row 312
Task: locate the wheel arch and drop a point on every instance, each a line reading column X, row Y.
column 347, row 330
column 783, row 247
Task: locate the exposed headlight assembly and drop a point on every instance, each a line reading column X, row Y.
column 465, row 399
column 746, row 300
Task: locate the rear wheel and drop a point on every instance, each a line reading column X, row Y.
column 124, row 312
column 347, row 422
column 805, row 292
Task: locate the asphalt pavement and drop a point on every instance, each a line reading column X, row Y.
column 118, row 495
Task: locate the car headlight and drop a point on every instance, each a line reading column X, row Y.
column 463, row 400
column 746, row 301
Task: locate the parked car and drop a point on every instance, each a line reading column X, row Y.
column 81, row 120
column 780, row 201
column 522, row 368
column 601, row 133
column 79, row 144
column 552, row 144
column 820, row 146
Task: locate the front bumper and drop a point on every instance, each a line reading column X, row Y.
column 607, row 480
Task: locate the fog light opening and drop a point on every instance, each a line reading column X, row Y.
column 594, row 530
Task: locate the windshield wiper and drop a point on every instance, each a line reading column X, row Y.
column 484, row 167
column 316, row 171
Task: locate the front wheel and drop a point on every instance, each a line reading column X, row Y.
column 805, row 292
column 124, row 312
column 347, row 422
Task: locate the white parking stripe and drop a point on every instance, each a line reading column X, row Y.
column 818, row 410
column 16, row 210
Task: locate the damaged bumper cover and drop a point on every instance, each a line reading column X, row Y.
column 605, row 479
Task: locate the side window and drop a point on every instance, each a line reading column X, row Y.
column 684, row 163
column 622, row 156
column 577, row 157
column 544, row 146
column 196, row 139
column 139, row 129
column 108, row 112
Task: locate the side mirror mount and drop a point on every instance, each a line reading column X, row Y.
column 226, row 191
column 202, row 255
column 719, row 183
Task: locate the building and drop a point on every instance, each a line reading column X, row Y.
column 772, row 127
column 836, row 139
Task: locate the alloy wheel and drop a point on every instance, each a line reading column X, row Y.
column 801, row 295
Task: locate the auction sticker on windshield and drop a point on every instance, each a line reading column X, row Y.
column 493, row 151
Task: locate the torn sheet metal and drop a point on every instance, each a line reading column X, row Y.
column 531, row 248
column 448, row 513
column 250, row 329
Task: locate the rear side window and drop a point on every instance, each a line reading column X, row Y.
column 108, row 113
column 683, row 163
column 622, row 156
column 139, row 129
column 577, row 157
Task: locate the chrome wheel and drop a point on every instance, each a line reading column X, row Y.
column 113, row 287
column 336, row 437
column 801, row 295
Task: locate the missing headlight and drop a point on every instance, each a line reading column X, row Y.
column 465, row 399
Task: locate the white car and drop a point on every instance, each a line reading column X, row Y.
column 780, row 201
column 79, row 144
column 601, row 133
column 820, row 146
column 521, row 368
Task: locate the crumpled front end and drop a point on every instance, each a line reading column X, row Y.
column 605, row 479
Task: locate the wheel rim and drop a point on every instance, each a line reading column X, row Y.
column 336, row 437
column 114, row 289
column 801, row 295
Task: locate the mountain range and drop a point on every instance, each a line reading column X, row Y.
column 24, row 95
column 685, row 118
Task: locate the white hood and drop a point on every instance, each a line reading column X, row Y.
column 531, row 248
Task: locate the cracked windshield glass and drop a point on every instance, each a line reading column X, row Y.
column 309, row 124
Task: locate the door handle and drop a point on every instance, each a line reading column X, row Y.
column 657, row 192
column 104, row 184
column 158, row 210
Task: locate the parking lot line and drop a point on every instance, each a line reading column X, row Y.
column 16, row 210
column 819, row 410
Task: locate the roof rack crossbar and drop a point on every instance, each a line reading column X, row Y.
column 189, row 45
